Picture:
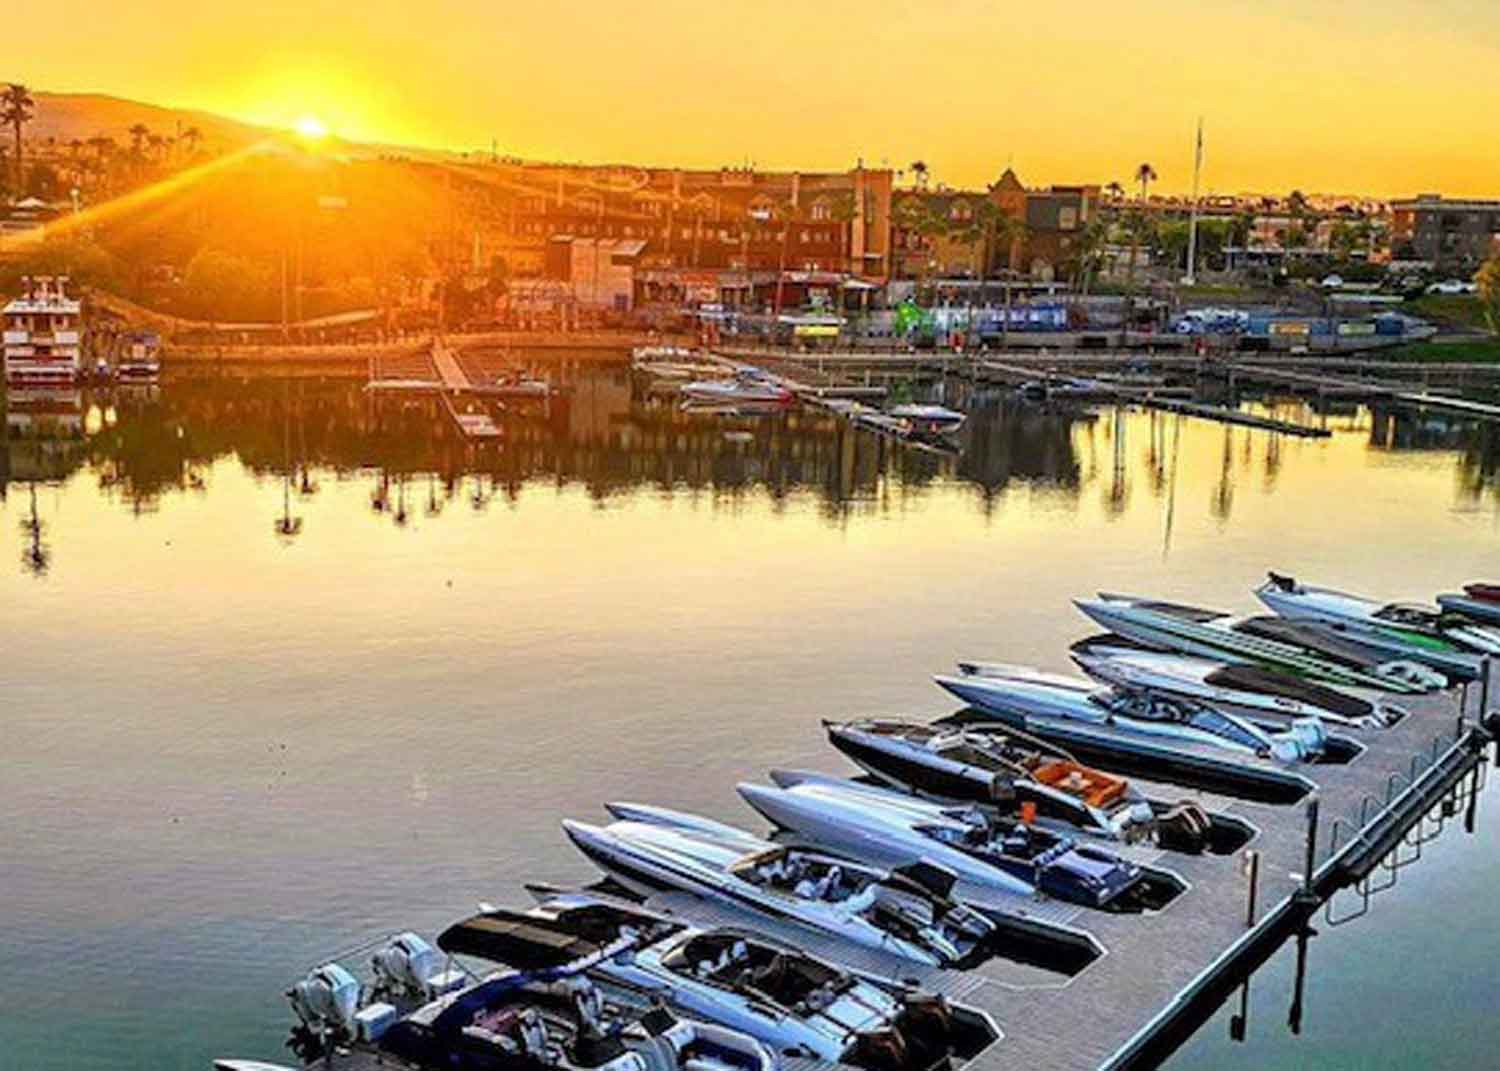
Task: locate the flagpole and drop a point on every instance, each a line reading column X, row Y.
column 1192, row 249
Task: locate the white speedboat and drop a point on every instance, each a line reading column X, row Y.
column 1237, row 687
column 542, row 1010
column 909, row 915
column 886, row 828
column 1411, row 630
column 1282, row 646
column 792, row 1003
column 1016, row 776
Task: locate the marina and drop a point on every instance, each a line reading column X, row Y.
column 1143, row 990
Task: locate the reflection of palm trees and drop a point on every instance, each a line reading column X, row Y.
column 434, row 506
column 1223, row 504
column 1119, row 485
column 36, row 558
column 401, row 514
column 1166, row 541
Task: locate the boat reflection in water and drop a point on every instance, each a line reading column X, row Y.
column 601, row 429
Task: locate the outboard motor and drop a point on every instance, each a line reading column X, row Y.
column 326, row 1000
column 406, row 964
column 1183, row 827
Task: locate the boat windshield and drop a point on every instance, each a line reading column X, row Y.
column 780, row 976
column 1408, row 614
column 806, row 877
column 1212, row 721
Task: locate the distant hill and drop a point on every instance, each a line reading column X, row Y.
column 66, row 116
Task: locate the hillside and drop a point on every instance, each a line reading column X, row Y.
column 66, row 116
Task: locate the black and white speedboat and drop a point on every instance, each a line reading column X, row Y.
column 1017, row 777
column 540, row 1011
column 909, row 914
column 792, row 1003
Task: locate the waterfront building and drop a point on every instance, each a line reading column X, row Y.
column 1458, row 234
column 43, row 333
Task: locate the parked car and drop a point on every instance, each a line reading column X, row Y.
column 1332, row 282
column 1452, row 286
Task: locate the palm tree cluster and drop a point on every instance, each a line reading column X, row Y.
column 17, row 107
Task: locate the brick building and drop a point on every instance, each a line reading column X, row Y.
column 1452, row 234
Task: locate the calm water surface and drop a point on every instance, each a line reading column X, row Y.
column 288, row 668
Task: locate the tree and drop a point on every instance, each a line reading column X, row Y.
column 138, row 135
column 1145, row 175
column 191, row 137
column 919, row 170
column 1488, row 282
column 16, row 108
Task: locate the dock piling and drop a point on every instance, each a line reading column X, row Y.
column 1311, row 862
column 1252, row 871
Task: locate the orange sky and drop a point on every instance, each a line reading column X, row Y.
column 1385, row 96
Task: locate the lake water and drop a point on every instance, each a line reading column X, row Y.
column 288, row 668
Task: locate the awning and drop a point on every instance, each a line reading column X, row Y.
column 516, row 940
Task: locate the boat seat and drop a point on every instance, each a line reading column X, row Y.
column 1094, row 787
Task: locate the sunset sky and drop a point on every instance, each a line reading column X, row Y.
column 1385, row 96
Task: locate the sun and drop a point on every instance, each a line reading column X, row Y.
column 311, row 127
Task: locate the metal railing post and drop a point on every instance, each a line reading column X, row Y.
column 1312, row 846
column 1252, row 867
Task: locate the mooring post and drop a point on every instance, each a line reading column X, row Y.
column 1239, row 1023
column 1252, row 872
column 1471, row 810
column 1312, row 847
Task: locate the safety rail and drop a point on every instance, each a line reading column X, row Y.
column 1428, row 826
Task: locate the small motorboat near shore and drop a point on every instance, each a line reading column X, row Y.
column 927, row 419
column 887, row 828
column 1249, row 690
column 1014, row 775
column 1408, row 630
column 748, row 385
column 906, row 914
column 792, row 1003
column 1271, row 642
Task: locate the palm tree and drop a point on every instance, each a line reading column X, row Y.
column 1116, row 191
column 919, row 169
column 191, row 137
column 138, row 135
column 1145, row 175
column 16, row 108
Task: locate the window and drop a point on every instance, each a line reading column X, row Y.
column 1067, row 218
column 821, row 210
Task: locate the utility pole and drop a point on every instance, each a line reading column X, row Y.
column 1192, row 249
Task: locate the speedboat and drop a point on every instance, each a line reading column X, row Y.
column 540, row 1010
column 1159, row 736
column 1425, row 633
column 792, row 1003
column 747, row 385
column 1005, row 688
column 1016, row 776
column 1250, row 690
column 986, row 852
column 1258, row 641
column 1481, row 602
column 907, row 914
column 928, row 419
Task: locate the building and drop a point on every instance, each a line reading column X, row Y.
column 600, row 272
column 1451, row 234
column 43, row 333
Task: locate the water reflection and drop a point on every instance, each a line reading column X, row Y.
column 611, row 437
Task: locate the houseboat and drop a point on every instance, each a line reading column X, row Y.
column 43, row 333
